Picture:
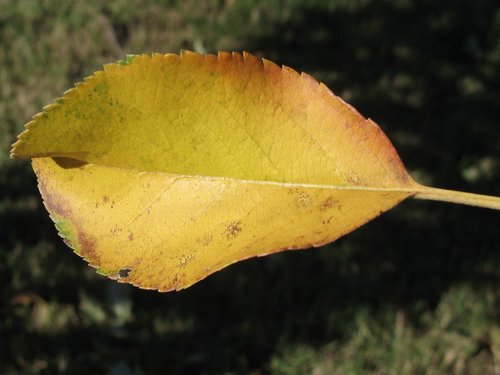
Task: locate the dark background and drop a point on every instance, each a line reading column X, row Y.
column 415, row 291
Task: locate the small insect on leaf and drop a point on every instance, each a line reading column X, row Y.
column 160, row 170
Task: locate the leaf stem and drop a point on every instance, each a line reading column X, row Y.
column 436, row 194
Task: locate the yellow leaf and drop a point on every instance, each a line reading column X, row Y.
column 164, row 169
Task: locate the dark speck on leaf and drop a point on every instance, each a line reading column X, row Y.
column 124, row 272
column 233, row 229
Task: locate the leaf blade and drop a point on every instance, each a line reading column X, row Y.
column 180, row 115
column 138, row 221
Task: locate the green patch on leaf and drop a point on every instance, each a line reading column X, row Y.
column 101, row 88
column 68, row 232
column 127, row 60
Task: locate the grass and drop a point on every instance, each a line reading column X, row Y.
column 415, row 291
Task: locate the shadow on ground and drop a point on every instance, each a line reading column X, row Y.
column 429, row 74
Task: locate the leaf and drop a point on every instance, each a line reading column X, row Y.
column 163, row 169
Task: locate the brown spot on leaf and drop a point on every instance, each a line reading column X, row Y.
column 81, row 242
column 131, row 237
column 105, row 199
column 354, row 180
column 233, row 229
column 327, row 221
column 303, row 199
column 87, row 247
column 328, row 203
column 54, row 202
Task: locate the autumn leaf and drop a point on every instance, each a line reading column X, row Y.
column 163, row 169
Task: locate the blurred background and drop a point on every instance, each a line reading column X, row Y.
column 415, row 291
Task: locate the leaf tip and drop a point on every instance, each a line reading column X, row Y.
column 16, row 151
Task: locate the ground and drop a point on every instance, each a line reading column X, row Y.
column 415, row 291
